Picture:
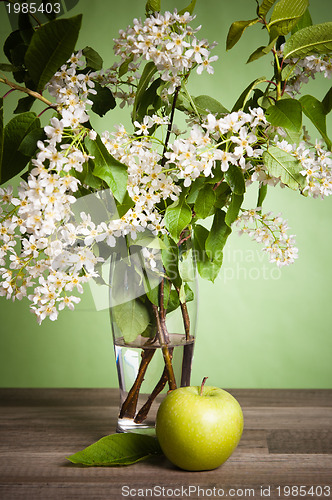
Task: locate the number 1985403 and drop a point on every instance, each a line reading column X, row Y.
column 33, row 8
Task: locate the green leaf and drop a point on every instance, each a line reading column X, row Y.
column 286, row 113
column 125, row 205
column 218, row 235
column 12, row 41
column 262, row 192
column 124, row 66
column 107, row 168
column 132, row 318
column 285, row 16
column 261, row 51
column 303, row 22
column 222, row 193
column 1, row 134
column 103, row 101
column 150, row 100
column 25, row 27
column 148, row 72
column 170, row 258
column 189, row 8
column 327, row 102
column 195, row 186
column 283, row 165
column 50, row 47
column 117, row 449
column 28, row 146
column 236, row 31
column 7, row 68
column 315, row 111
column 315, row 39
column 13, row 161
column 187, row 266
column 233, row 209
column 24, row 104
column 207, row 268
column 93, row 59
column 178, row 216
column 235, row 179
column 152, row 6
column 265, row 7
column 241, row 102
column 209, row 105
column 205, row 202
column 154, row 294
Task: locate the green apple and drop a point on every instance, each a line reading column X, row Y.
column 198, row 428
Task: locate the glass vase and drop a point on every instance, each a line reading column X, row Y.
column 153, row 314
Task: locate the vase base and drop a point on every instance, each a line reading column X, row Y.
column 128, row 425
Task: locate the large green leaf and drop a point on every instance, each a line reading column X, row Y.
column 285, row 16
column 241, row 102
column 103, row 100
column 262, row 192
column 152, row 6
column 13, row 161
column 286, row 113
column 303, row 22
column 148, row 72
column 189, row 8
column 261, row 51
column 264, row 7
column 1, row 134
column 150, row 100
column 93, row 59
column 132, row 318
column 201, row 104
column 315, row 39
column 50, row 47
column 107, row 168
column 205, row 202
column 170, row 259
column 207, row 268
column 218, row 235
column 236, row 31
column 234, row 208
column 315, row 111
column 209, row 105
column 178, row 216
column 283, row 165
column 235, row 179
column 327, row 101
column 117, row 449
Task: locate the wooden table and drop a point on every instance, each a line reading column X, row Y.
column 287, row 442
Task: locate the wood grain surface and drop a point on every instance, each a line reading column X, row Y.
column 287, row 442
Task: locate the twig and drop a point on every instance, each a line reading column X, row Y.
column 169, row 128
column 165, row 350
column 34, row 94
column 128, row 409
column 143, row 412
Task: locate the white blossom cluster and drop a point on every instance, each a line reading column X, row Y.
column 316, row 163
column 71, row 91
column 168, row 41
column 304, row 69
column 271, row 231
column 240, row 132
column 148, row 183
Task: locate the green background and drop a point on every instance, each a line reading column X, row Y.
column 257, row 326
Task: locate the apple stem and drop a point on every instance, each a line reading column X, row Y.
column 202, row 385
